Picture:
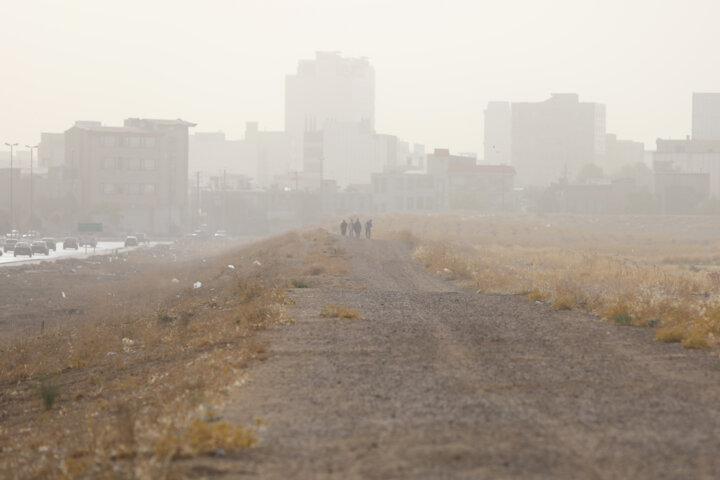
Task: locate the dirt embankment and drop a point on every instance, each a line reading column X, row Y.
column 434, row 382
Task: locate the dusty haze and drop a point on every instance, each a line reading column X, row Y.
column 438, row 64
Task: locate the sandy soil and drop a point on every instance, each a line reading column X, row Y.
column 435, row 382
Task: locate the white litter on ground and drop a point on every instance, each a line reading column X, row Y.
column 231, row 267
column 63, row 295
column 175, row 280
column 197, row 285
column 257, row 262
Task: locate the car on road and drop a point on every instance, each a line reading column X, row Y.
column 9, row 244
column 70, row 242
column 22, row 248
column 131, row 241
column 88, row 242
column 38, row 246
column 51, row 243
column 141, row 237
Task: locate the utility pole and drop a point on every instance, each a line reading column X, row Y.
column 12, row 207
column 32, row 191
column 197, row 209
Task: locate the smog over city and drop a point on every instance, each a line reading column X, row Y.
column 359, row 239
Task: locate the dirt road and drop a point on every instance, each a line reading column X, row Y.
column 434, row 382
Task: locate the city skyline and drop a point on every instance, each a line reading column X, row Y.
column 436, row 69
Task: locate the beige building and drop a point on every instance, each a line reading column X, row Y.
column 131, row 178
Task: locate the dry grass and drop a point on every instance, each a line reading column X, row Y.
column 78, row 401
column 323, row 255
column 338, row 311
column 626, row 276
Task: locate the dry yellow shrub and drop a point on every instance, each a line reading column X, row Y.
column 338, row 311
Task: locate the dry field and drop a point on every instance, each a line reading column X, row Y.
column 660, row 272
column 117, row 366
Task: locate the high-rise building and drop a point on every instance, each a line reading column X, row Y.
column 706, row 116
column 329, row 92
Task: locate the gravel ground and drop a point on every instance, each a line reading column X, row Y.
column 435, row 382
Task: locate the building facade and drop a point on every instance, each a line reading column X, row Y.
column 556, row 138
column 706, row 116
column 133, row 177
column 329, row 89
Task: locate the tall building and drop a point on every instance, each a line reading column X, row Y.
column 329, row 92
column 133, row 177
column 706, row 116
column 556, row 138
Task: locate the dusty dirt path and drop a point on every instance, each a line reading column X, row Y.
column 434, row 382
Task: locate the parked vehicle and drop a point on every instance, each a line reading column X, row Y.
column 88, row 241
column 51, row 243
column 38, row 246
column 9, row 244
column 22, row 248
column 141, row 237
column 131, row 241
column 70, row 242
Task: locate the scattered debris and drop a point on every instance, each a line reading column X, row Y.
column 447, row 270
column 175, row 280
column 128, row 342
column 197, row 285
column 231, row 267
column 63, row 295
column 257, row 262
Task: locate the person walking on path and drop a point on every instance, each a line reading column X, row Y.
column 368, row 228
column 343, row 227
column 358, row 227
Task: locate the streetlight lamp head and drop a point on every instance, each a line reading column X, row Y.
column 11, row 144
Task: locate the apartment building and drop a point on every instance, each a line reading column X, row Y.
column 133, row 177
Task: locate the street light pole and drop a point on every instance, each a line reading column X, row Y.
column 32, row 192
column 12, row 209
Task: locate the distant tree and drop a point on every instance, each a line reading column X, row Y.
column 589, row 171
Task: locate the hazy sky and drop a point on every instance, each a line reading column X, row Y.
column 437, row 63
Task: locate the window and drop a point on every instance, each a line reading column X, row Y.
column 132, row 141
column 107, row 188
column 148, row 164
column 149, row 142
column 108, row 141
column 109, row 164
column 133, row 164
column 149, row 189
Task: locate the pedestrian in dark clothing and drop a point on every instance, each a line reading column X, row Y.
column 343, row 227
column 368, row 228
column 358, row 227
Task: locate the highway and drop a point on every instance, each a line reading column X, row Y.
column 7, row 258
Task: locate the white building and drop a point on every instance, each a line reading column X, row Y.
column 330, row 90
column 706, row 116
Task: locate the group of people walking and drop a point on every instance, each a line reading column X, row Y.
column 353, row 228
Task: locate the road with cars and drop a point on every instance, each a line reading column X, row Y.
column 7, row 258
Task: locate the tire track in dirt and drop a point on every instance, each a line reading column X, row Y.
column 435, row 382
